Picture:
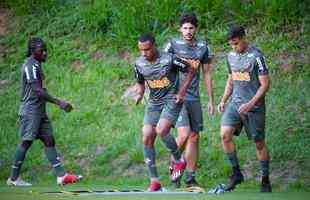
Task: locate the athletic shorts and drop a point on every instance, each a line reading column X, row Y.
column 169, row 110
column 191, row 115
column 253, row 122
column 32, row 126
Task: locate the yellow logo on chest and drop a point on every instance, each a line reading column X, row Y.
column 161, row 83
column 241, row 76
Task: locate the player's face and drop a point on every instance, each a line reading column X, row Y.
column 188, row 31
column 238, row 44
column 40, row 52
column 147, row 50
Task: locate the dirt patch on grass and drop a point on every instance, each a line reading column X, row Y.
column 4, row 21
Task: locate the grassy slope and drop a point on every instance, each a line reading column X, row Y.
column 91, row 69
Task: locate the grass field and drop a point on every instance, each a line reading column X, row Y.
column 36, row 193
column 92, row 45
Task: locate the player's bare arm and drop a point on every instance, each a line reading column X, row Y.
column 43, row 94
column 193, row 65
column 226, row 95
column 140, row 88
column 207, row 69
column 264, row 86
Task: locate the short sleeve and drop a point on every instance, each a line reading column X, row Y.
column 168, row 47
column 228, row 66
column 207, row 57
column 32, row 73
column 261, row 65
column 139, row 77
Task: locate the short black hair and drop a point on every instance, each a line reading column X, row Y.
column 32, row 44
column 189, row 17
column 235, row 32
column 147, row 37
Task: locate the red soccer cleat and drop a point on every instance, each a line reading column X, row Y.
column 154, row 186
column 68, row 179
column 178, row 169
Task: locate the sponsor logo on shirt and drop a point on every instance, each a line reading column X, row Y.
column 241, row 76
column 160, row 83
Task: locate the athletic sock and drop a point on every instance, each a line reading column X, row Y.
column 264, row 167
column 18, row 161
column 190, row 175
column 172, row 146
column 51, row 155
column 149, row 159
column 233, row 160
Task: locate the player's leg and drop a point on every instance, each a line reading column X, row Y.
column 231, row 125
column 263, row 157
column 46, row 136
column 149, row 136
column 151, row 117
column 29, row 126
column 256, row 126
column 168, row 119
column 195, row 119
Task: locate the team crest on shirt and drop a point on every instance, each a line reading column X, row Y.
column 159, row 83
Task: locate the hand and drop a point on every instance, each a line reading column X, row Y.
column 245, row 108
column 210, row 109
column 65, row 106
column 221, row 107
column 193, row 63
column 138, row 99
column 179, row 98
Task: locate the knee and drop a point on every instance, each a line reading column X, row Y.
column 148, row 137
column 161, row 131
column 26, row 144
column 226, row 138
column 260, row 145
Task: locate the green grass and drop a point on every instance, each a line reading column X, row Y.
column 36, row 193
column 102, row 134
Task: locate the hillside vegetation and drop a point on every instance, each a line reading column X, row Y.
column 92, row 45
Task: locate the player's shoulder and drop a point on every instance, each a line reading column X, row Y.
column 200, row 42
column 30, row 63
column 177, row 41
column 140, row 62
column 256, row 52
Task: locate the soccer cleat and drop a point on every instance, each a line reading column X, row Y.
column 68, row 178
column 18, row 182
column 235, row 179
column 265, row 186
column 191, row 182
column 178, row 169
column 154, row 186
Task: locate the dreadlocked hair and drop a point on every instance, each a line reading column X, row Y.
column 32, row 44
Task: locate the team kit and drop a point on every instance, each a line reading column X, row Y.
column 172, row 76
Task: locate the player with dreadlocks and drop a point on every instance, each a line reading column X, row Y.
column 34, row 122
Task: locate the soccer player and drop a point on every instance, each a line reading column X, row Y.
column 247, row 85
column 159, row 71
column 190, row 121
column 34, row 122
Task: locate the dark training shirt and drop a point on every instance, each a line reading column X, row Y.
column 30, row 103
column 199, row 50
column 161, row 76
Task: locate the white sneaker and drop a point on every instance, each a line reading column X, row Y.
column 18, row 182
